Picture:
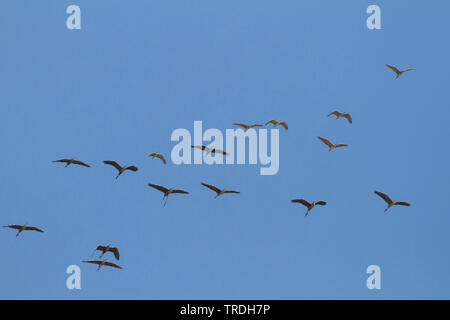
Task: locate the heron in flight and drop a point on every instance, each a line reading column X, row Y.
column 210, row 150
column 276, row 123
column 166, row 191
column 247, row 126
column 72, row 161
column 398, row 72
column 308, row 204
column 331, row 145
column 108, row 248
column 218, row 191
column 119, row 168
column 390, row 202
column 157, row 155
column 21, row 228
column 102, row 263
column 342, row 115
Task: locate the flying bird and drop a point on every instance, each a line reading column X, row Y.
column 166, row 191
column 276, row 123
column 119, row 168
column 342, row 115
column 210, row 150
column 390, row 202
column 218, row 191
column 21, row 228
column 108, row 248
column 102, row 263
column 309, row 205
column 72, row 161
column 331, row 145
column 398, row 72
column 247, row 126
column 157, row 155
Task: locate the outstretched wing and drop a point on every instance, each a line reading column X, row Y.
column 62, row 160
column 243, row 125
column 231, row 191
column 157, row 187
column 271, row 121
column 199, row 147
column 160, row 156
column 116, row 252
column 341, row 145
column 321, row 203
column 81, row 163
column 219, row 151
column 407, row 70
column 92, row 261
column 336, row 113
column 33, row 229
column 348, row 116
column 111, row 264
column 113, row 163
column 284, row 124
column 179, row 191
column 302, row 201
column 384, row 196
column 13, row 226
column 100, row 248
column 394, row 69
column 210, row 186
column 403, row 203
column 326, row 141
column 132, row 168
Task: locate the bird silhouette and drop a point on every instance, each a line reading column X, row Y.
column 218, row 191
column 247, row 126
column 390, row 202
column 119, row 168
column 398, row 72
column 72, row 161
column 157, row 155
column 210, row 150
column 276, row 123
column 331, row 145
column 166, row 191
column 21, row 228
column 309, row 205
column 342, row 115
column 102, row 263
column 108, row 248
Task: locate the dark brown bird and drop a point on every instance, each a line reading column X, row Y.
column 398, row 72
column 247, row 126
column 102, row 263
column 342, row 115
column 210, row 150
column 276, row 123
column 72, row 161
column 157, row 155
column 331, row 145
column 167, row 191
column 390, row 202
column 119, row 168
column 21, row 228
column 309, row 205
column 108, row 248
column 218, row 191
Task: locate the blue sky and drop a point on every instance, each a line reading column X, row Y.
column 137, row 70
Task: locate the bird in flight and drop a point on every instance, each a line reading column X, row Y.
column 331, row 145
column 166, row 191
column 157, row 155
column 210, row 150
column 21, row 228
column 108, row 248
column 276, row 123
column 309, row 205
column 102, row 263
column 342, row 115
column 247, row 126
column 218, row 191
column 72, row 161
column 119, row 168
column 390, row 202
column 398, row 72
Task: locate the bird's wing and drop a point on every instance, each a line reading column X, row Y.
column 113, row 163
column 327, row 142
column 255, row 125
column 160, row 156
column 92, row 261
column 403, row 203
column 200, row 147
column 101, row 248
column 341, row 145
column 407, row 70
column 132, row 168
column 81, row 163
column 13, row 226
column 384, row 196
column 33, row 229
column 302, row 201
column 220, row 151
column 348, row 116
column 62, row 160
column 336, row 113
column 271, row 121
column 210, row 186
column 321, row 203
column 111, row 264
column 160, row 188
column 179, row 191
column 243, row 125
column 284, row 124
column 393, row 69
column 231, row 191
column 116, row 252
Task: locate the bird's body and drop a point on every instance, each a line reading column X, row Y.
column 108, row 248
column 157, row 155
column 389, row 201
column 102, row 263
column 342, row 115
column 218, row 191
column 397, row 71
column 309, row 205
column 210, row 150
column 21, row 228
column 276, row 123
column 167, row 191
column 247, row 126
column 72, row 161
column 331, row 145
column 120, row 168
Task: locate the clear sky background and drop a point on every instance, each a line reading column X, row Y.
column 137, row 70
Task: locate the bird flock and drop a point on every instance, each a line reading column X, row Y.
column 219, row 192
